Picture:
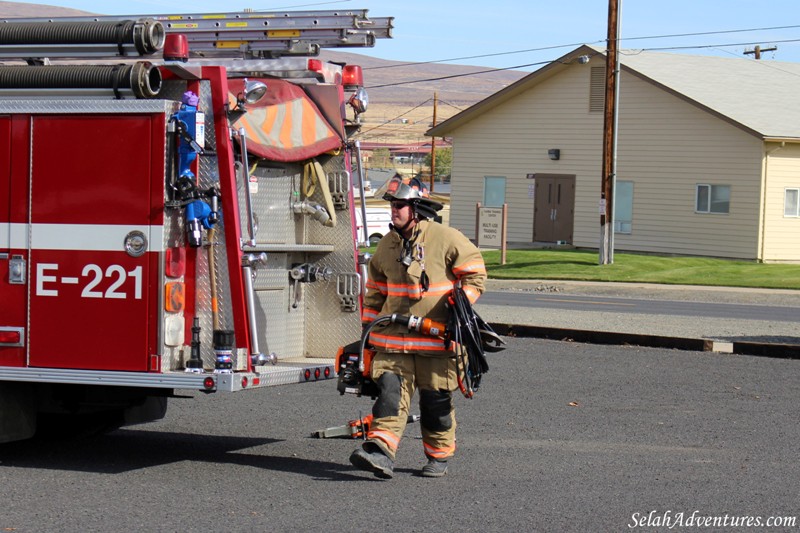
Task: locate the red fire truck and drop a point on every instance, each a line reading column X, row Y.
column 176, row 208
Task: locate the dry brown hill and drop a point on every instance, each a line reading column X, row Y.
column 21, row 10
column 399, row 111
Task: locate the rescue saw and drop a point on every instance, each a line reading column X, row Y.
column 354, row 429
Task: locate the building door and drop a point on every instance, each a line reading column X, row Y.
column 553, row 208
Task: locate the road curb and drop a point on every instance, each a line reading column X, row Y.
column 760, row 349
column 781, row 351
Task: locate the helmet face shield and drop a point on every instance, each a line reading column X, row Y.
column 412, row 191
column 397, row 189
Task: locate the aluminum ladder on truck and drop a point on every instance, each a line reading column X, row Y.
column 251, row 35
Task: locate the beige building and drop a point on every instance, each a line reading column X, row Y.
column 708, row 155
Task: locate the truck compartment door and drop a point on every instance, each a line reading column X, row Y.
column 97, row 181
column 13, row 253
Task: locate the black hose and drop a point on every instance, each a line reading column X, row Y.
column 463, row 325
column 365, row 335
column 142, row 78
column 147, row 35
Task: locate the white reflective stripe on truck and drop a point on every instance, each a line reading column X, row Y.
column 88, row 237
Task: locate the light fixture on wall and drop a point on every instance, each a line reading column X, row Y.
column 554, row 154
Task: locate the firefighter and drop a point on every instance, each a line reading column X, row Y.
column 412, row 272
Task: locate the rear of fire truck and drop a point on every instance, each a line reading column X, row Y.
column 177, row 208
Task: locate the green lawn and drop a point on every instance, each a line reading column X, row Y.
column 583, row 265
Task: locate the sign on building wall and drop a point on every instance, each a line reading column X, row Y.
column 490, row 228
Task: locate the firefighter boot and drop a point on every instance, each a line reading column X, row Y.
column 372, row 459
column 434, row 468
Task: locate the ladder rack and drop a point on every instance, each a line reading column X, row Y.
column 260, row 34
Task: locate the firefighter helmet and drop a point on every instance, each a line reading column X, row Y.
column 412, row 191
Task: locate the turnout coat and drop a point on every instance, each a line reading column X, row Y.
column 439, row 253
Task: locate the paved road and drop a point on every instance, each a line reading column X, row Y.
column 634, row 305
column 562, row 437
column 727, row 315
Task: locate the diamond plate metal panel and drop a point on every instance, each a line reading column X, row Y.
column 280, row 327
column 327, row 326
column 271, row 195
column 66, row 105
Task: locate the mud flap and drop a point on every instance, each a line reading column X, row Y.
column 17, row 411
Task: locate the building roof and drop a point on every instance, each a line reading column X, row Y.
column 760, row 96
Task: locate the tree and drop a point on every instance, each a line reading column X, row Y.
column 444, row 163
column 381, row 158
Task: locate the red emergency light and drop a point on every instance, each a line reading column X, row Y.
column 176, row 47
column 352, row 77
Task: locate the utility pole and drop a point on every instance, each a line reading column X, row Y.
column 433, row 142
column 609, row 136
column 756, row 52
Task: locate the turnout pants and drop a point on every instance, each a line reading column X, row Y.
column 398, row 376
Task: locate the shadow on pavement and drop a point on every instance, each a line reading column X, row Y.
column 128, row 450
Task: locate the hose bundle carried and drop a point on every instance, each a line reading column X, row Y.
column 465, row 332
column 473, row 337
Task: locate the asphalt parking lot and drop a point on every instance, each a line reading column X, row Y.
column 562, row 436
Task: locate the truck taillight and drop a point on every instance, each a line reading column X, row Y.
column 315, row 65
column 175, row 262
column 352, row 77
column 11, row 337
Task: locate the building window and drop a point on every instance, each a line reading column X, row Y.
column 623, row 207
column 713, row 198
column 494, row 191
column 791, row 203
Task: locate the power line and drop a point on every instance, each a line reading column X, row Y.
column 459, row 75
column 451, row 105
column 397, row 117
column 528, row 50
column 482, row 55
column 499, row 69
column 708, row 33
column 715, row 45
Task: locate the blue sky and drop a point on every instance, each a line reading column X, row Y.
column 449, row 29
